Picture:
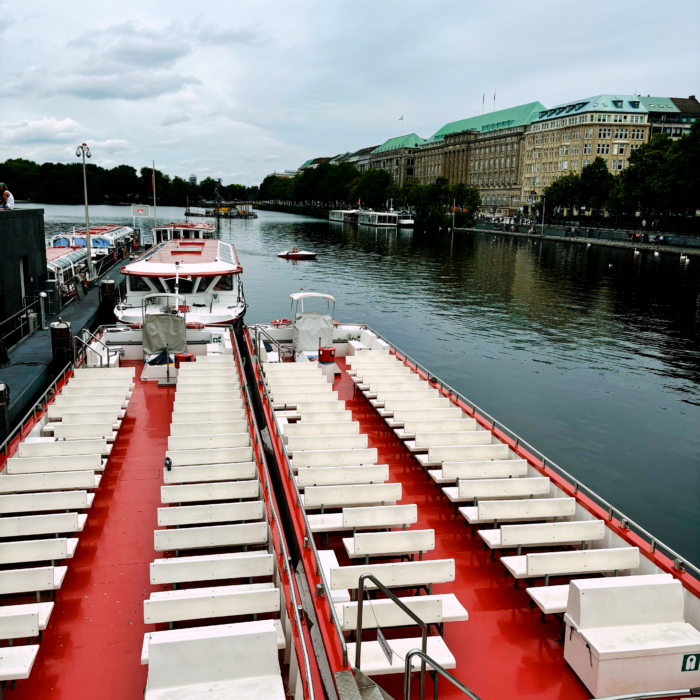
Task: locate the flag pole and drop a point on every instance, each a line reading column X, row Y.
column 155, row 208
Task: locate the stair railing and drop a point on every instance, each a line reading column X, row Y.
column 438, row 670
column 407, row 610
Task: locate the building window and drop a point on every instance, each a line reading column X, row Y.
column 604, row 133
column 603, row 149
column 620, row 118
column 537, row 182
column 574, row 150
column 584, row 163
column 603, row 117
column 566, row 165
column 621, row 133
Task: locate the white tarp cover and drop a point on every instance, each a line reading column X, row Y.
column 308, row 328
column 162, row 329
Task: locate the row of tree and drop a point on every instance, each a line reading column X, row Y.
column 60, row 183
column 343, row 186
column 663, row 177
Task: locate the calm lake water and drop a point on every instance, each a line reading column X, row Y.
column 589, row 354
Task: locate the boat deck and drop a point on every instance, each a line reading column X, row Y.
column 92, row 645
column 503, row 650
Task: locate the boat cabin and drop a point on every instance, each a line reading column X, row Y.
column 177, row 231
column 104, row 240
column 344, row 216
column 375, row 218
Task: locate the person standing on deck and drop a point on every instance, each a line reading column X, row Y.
column 8, row 201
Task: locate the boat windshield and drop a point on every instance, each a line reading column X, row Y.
column 138, row 284
column 186, row 285
column 224, row 284
column 61, row 242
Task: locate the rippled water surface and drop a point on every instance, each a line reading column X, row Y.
column 590, row 354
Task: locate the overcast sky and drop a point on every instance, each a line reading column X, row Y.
column 238, row 89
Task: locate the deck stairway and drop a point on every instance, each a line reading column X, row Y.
column 47, row 488
column 221, row 596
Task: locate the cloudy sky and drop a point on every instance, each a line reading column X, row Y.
column 238, row 89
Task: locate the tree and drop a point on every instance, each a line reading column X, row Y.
column 564, row 191
column 596, row 183
column 372, row 188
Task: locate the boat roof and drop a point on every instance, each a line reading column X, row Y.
column 200, row 257
column 54, row 254
column 198, row 226
column 309, row 295
column 108, row 230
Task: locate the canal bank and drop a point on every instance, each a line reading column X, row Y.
column 655, row 247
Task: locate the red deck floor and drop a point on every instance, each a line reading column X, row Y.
column 503, row 651
column 92, row 646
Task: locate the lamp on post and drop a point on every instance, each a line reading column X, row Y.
column 83, row 151
column 533, row 199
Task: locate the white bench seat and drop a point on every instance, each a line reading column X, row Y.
column 398, row 406
column 25, row 526
column 320, row 417
column 45, row 501
column 92, row 372
column 330, row 458
column 223, row 455
column 19, row 625
column 74, row 390
column 56, row 413
column 210, row 513
column 211, row 472
column 210, row 536
column 207, row 603
column 385, row 544
column 518, row 511
column 212, row 567
column 67, row 431
column 204, row 442
column 543, row 534
column 449, row 425
column 469, row 489
column 373, row 661
column 212, row 428
column 123, row 381
column 285, row 399
column 311, row 429
column 62, row 463
column 61, row 448
column 49, row 549
column 51, row 481
column 112, row 417
column 321, row 404
column 424, row 441
column 41, row 610
column 326, row 442
column 206, row 379
column 351, row 495
column 365, row 518
column 43, row 578
column 215, row 491
column 329, row 561
column 280, row 383
column 16, row 662
column 101, row 399
column 225, row 359
column 185, row 633
column 206, row 415
column 438, row 454
column 571, row 563
column 494, row 469
column 332, row 476
column 394, row 575
column 384, row 611
column 230, row 404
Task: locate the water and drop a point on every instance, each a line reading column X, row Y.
column 596, row 366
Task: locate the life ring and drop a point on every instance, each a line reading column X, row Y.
column 135, row 326
column 194, row 326
column 280, row 321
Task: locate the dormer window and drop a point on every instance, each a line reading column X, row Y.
column 634, row 104
column 617, row 103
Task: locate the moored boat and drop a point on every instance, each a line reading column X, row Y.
column 182, row 230
column 295, row 254
column 204, row 273
column 395, row 481
column 104, row 240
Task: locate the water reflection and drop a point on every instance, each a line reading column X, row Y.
column 597, row 366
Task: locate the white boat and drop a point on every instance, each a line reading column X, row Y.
column 383, row 219
column 206, row 273
column 406, row 220
column 104, row 240
column 343, row 216
column 295, row 254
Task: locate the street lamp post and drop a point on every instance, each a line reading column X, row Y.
column 544, row 202
column 83, row 151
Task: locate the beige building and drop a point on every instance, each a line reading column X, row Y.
column 568, row 137
column 397, row 157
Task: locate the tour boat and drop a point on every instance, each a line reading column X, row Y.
column 177, row 231
column 104, row 240
column 206, row 273
column 302, row 510
column 343, row 216
column 406, row 220
column 295, row 254
column 384, row 219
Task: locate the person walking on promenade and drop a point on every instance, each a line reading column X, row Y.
column 8, row 201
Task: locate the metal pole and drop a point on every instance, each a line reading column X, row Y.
column 42, row 296
column 544, row 201
column 155, row 208
column 87, row 218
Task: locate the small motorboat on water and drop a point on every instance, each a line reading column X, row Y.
column 296, row 254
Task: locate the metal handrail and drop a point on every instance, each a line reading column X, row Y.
column 308, row 536
column 545, row 461
column 436, row 667
column 85, row 330
column 682, row 692
column 20, row 426
column 260, row 330
column 20, row 312
column 408, row 611
column 285, row 554
column 87, row 347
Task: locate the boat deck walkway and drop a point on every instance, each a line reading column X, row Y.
column 28, row 372
column 503, row 650
column 92, row 645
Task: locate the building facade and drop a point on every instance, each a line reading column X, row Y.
column 672, row 116
column 568, row 137
column 398, row 157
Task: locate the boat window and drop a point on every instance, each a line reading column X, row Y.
column 138, row 284
column 61, row 242
column 224, row 284
column 186, row 285
column 79, row 242
column 176, row 234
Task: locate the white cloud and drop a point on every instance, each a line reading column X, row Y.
column 44, row 130
column 172, row 119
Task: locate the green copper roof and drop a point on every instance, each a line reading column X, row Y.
column 624, row 104
column 308, row 162
column 410, row 141
column 492, row 121
column 658, row 104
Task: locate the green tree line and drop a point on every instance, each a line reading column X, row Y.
column 343, row 186
column 662, row 178
column 60, row 183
